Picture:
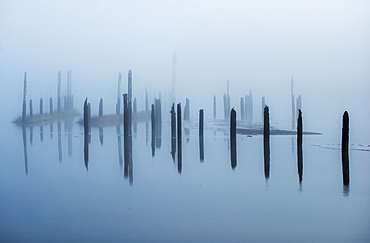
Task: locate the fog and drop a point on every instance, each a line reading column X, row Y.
column 257, row 45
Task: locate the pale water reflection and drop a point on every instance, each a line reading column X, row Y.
column 133, row 196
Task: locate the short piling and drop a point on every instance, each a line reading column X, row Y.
column 345, row 156
column 152, row 116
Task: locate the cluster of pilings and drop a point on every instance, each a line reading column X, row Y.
column 68, row 99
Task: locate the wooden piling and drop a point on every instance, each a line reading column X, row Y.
column 101, row 107
column 201, row 134
column 266, row 142
column 299, row 145
column 179, row 139
column 51, row 105
column 31, row 108
column 86, row 133
column 233, row 138
column 345, row 156
column 41, row 106
column 24, row 98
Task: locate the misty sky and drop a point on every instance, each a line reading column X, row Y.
column 257, row 45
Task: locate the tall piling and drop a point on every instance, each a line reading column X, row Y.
column 86, row 133
column 59, row 98
column 201, row 134
column 233, row 138
column 266, row 142
column 24, row 98
column 179, row 139
column 173, row 131
column 299, row 145
column 345, row 156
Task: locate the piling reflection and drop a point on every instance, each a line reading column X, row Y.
column 69, row 126
column 158, row 123
column 51, row 130
column 118, row 132
column 41, row 133
column 152, row 116
column 31, row 135
column 346, row 190
column 101, row 135
column 59, row 125
column 24, row 135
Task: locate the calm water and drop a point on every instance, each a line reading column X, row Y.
column 53, row 197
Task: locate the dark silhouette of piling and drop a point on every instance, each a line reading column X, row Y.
column 59, row 100
column 179, row 139
column 201, row 134
column 345, row 156
column 173, row 131
column 152, row 116
column 24, row 98
column 51, row 105
column 299, row 145
column 41, row 106
column 31, row 108
column 89, row 119
column 128, row 167
column 101, row 107
column 233, row 137
column 266, row 142
column 214, row 107
column 86, row 133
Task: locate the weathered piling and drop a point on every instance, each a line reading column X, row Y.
column 266, row 142
column 152, row 116
column 345, row 156
column 31, row 108
column 293, row 103
column 118, row 104
column 158, row 122
column 233, row 137
column 59, row 100
column 214, row 107
column 201, row 134
column 101, row 107
column 187, row 110
column 146, row 100
column 173, row 131
column 89, row 119
column 101, row 135
column 242, row 108
column 299, row 145
column 41, row 106
column 179, row 139
column 51, row 105
column 86, row 133
column 125, row 116
column 24, row 98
